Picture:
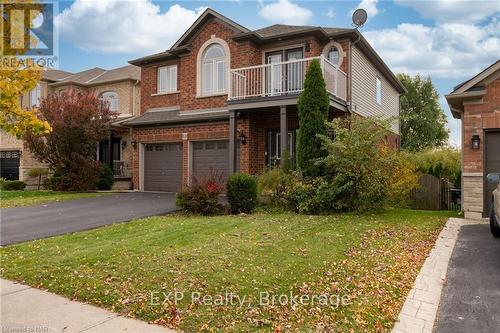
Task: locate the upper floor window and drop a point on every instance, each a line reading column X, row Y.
column 378, row 84
column 213, row 70
column 35, row 95
column 113, row 101
column 334, row 55
column 167, row 79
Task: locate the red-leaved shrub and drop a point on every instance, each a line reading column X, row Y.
column 202, row 196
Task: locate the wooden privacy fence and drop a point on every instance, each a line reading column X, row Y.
column 435, row 194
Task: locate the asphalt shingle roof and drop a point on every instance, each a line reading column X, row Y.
column 55, row 74
column 98, row 75
column 165, row 116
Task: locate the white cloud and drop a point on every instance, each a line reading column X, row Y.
column 454, row 10
column 444, row 51
column 330, row 13
column 370, row 6
column 285, row 12
column 112, row 26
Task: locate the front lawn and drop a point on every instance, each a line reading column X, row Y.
column 364, row 264
column 10, row 199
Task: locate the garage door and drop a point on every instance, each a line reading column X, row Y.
column 492, row 163
column 9, row 165
column 163, row 167
column 210, row 156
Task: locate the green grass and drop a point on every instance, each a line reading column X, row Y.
column 10, row 199
column 372, row 260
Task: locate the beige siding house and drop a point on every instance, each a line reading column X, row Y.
column 120, row 86
column 372, row 94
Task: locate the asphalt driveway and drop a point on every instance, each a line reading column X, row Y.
column 471, row 297
column 57, row 218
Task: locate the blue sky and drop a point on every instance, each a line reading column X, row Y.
column 450, row 40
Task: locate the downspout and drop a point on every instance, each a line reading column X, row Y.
column 349, row 93
column 131, row 132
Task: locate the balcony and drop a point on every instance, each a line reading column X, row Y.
column 283, row 78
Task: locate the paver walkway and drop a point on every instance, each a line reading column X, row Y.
column 25, row 309
column 421, row 306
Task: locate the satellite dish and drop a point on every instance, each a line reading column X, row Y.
column 359, row 17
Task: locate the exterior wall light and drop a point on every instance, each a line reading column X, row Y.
column 134, row 144
column 475, row 142
column 242, row 137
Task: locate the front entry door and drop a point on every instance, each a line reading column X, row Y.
column 273, row 147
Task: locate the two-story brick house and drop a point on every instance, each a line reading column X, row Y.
column 224, row 97
column 477, row 103
column 120, row 87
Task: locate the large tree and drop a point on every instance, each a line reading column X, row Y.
column 313, row 106
column 79, row 120
column 423, row 122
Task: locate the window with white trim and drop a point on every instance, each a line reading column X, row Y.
column 167, row 79
column 112, row 99
column 213, row 70
column 35, row 95
column 378, row 91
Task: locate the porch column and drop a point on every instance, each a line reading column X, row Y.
column 283, row 132
column 110, row 150
column 232, row 141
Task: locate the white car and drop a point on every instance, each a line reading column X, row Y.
column 495, row 205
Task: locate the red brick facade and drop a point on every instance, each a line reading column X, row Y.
column 254, row 126
column 477, row 117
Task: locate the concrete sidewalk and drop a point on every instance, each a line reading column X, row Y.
column 25, row 309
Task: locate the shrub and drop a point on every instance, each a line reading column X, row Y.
column 105, row 178
column 360, row 165
column 202, row 197
column 405, row 176
column 241, row 193
column 38, row 173
column 82, row 179
column 53, row 182
column 13, row 185
column 270, row 186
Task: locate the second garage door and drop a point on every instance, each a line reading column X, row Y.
column 210, row 156
column 163, row 167
column 492, row 161
column 9, row 165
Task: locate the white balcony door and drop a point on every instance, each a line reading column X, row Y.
column 274, row 73
column 294, row 70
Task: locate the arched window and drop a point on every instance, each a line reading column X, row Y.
column 112, row 98
column 213, row 70
column 333, row 55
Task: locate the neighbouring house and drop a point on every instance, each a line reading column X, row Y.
column 477, row 103
column 120, row 87
column 225, row 97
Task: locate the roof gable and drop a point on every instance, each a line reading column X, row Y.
column 204, row 17
column 465, row 86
